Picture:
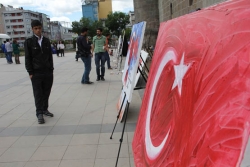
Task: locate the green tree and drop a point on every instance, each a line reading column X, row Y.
column 128, row 33
column 86, row 22
column 116, row 22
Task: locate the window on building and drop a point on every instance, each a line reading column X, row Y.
column 9, row 33
column 27, row 20
column 190, row 2
column 8, row 27
column 7, row 21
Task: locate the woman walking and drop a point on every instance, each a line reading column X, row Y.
column 16, row 51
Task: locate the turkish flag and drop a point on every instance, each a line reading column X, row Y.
column 196, row 106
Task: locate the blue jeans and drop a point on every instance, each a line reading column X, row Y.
column 9, row 57
column 100, row 58
column 107, row 59
column 87, row 64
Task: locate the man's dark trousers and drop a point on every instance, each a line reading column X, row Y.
column 100, row 59
column 42, row 83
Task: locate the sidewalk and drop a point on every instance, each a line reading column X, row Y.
column 78, row 135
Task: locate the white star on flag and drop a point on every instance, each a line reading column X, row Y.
column 180, row 71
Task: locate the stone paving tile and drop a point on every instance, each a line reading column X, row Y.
column 80, row 152
column 17, row 154
column 111, row 150
column 56, row 140
column 38, row 130
column 42, row 164
column 77, row 163
column 48, row 153
column 28, row 141
column 83, row 139
column 13, row 131
column 12, row 164
column 109, row 162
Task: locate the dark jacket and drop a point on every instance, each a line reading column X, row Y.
column 82, row 44
column 38, row 59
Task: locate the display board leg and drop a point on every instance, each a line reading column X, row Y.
column 124, row 125
column 118, row 115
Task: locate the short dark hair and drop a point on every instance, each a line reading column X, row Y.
column 4, row 41
column 107, row 34
column 7, row 40
column 84, row 29
column 35, row 23
column 100, row 29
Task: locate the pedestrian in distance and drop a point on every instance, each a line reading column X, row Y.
column 99, row 43
column 84, row 51
column 39, row 65
column 16, row 51
column 107, row 51
column 9, row 49
column 58, row 48
column 61, row 48
column 77, row 55
column 4, row 51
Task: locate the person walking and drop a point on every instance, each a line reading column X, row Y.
column 9, row 50
column 99, row 44
column 58, row 48
column 16, row 51
column 4, row 51
column 39, row 65
column 107, row 51
column 84, row 50
column 76, row 57
column 61, row 48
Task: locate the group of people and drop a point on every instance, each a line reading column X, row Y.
column 58, row 48
column 99, row 47
column 8, row 48
column 40, row 67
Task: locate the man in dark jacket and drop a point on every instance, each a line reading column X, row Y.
column 84, row 47
column 39, row 65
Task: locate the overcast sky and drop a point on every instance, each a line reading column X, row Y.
column 64, row 10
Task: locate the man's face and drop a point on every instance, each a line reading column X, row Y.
column 37, row 30
column 85, row 33
column 98, row 32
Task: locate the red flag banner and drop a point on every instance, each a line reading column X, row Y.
column 196, row 106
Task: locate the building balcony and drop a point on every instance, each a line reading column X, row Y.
column 14, row 23
column 13, row 17
column 18, row 35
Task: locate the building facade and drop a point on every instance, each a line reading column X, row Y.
column 96, row 9
column 16, row 23
column 90, row 10
column 104, row 8
column 131, row 19
column 169, row 9
column 156, row 11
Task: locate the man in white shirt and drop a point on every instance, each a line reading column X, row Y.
column 8, row 47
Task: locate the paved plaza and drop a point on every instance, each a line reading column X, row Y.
column 78, row 135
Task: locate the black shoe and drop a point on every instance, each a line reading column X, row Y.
column 102, row 78
column 110, row 68
column 98, row 79
column 47, row 113
column 88, row 82
column 40, row 119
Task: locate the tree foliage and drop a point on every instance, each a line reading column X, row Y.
column 88, row 23
column 116, row 22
